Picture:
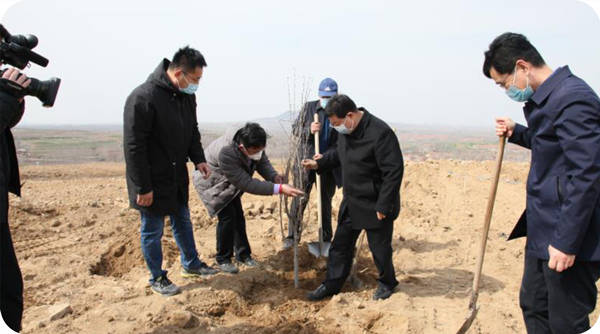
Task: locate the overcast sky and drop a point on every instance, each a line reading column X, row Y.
column 415, row 62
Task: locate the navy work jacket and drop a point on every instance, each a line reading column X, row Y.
column 563, row 186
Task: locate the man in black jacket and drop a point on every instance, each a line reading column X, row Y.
column 372, row 167
column 305, row 127
column 160, row 134
column 11, row 283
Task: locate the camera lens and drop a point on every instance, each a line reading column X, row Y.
column 45, row 91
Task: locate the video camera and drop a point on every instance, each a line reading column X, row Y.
column 15, row 50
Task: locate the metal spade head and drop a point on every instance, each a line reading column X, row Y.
column 319, row 250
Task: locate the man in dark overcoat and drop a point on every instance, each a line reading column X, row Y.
column 369, row 154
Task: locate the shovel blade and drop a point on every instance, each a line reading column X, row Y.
column 318, row 250
column 468, row 321
column 356, row 282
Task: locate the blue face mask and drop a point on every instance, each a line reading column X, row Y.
column 190, row 89
column 519, row 95
column 324, row 102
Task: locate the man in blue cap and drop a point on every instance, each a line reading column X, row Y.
column 305, row 127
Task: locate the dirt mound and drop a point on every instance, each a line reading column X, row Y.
column 124, row 255
column 46, row 210
column 283, row 260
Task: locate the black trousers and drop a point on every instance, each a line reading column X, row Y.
column 327, row 192
column 231, row 233
column 558, row 303
column 343, row 247
column 11, row 283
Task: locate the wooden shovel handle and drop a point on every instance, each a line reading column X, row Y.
column 487, row 221
column 318, row 189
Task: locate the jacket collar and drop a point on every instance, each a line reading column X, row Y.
column 554, row 80
column 319, row 108
column 364, row 122
column 246, row 162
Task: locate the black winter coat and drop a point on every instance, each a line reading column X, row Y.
column 11, row 111
column 160, row 133
column 372, row 170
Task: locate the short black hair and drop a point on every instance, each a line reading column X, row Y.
column 251, row 135
column 506, row 49
column 188, row 59
column 339, row 105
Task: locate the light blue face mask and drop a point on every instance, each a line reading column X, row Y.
column 190, row 89
column 519, row 95
column 324, row 103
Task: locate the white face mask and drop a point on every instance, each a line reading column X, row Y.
column 256, row 156
column 342, row 129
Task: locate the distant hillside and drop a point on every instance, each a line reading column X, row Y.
column 91, row 143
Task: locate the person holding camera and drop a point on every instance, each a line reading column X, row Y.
column 12, row 107
column 15, row 50
column 160, row 135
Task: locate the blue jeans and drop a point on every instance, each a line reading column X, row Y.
column 151, row 234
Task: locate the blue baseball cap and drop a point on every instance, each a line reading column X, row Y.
column 328, row 87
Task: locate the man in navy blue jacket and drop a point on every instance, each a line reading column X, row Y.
column 562, row 216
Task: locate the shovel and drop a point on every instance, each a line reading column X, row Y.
column 473, row 308
column 353, row 278
column 319, row 248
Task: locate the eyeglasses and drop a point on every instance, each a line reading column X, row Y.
column 504, row 83
column 196, row 81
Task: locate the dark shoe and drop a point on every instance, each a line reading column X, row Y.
column 228, row 267
column 319, row 293
column 288, row 243
column 382, row 292
column 204, row 270
column 249, row 262
column 163, row 286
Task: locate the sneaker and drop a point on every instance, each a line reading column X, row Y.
column 204, row 270
column 228, row 267
column 382, row 292
column 163, row 286
column 319, row 293
column 288, row 243
column 250, row 262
